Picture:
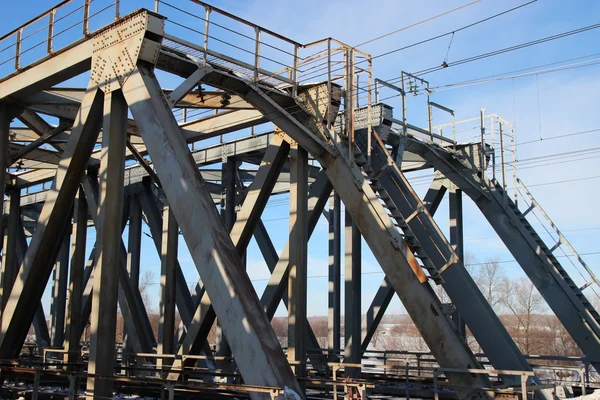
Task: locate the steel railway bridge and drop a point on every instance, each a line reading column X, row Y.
column 125, row 151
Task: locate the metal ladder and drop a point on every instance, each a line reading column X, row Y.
column 417, row 227
column 549, row 251
column 536, row 259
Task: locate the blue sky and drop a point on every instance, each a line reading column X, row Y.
column 541, row 106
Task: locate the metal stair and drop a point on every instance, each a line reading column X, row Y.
column 437, row 257
column 577, row 291
column 409, row 216
column 537, row 260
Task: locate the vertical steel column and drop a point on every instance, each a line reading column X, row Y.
column 258, row 354
column 78, row 245
column 349, row 101
column 58, row 302
column 40, row 326
column 456, row 240
column 352, row 311
column 4, row 135
column 298, row 259
column 228, row 215
column 335, row 241
column 106, row 274
column 10, row 264
column 43, row 248
column 134, row 246
column 166, row 327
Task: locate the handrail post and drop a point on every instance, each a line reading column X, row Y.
column 369, row 109
column 429, row 114
column 51, row 16
column 86, row 17
column 156, row 3
column 482, row 151
column 404, row 128
column 514, row 164
column 350, row 103
column 329, row 88
column 117, row 9
column 18, row 49
column 206, row 26
column 407, row 381
column 454, row 129
column 295, row 73
column 256, row 53
column 436, row 395
column 493, row 140
column 503, row 161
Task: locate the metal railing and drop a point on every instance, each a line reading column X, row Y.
column 208, row 35
column 534, row 208
column 37, row 39
column 524, row 375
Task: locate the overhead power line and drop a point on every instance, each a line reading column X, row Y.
column 417, row 23
column 311, row 77
column 387, row 53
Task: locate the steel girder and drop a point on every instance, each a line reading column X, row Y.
column 253, row 343
column 517, row 236
column 106, row 275
column 37, row 265
column 385, row 242
column 385, row 293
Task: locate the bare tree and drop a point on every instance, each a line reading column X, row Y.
column 526, row 305
column 491, row 279
column 146, row 279
column 469, row 260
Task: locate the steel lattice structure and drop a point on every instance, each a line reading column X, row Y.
column 60, row 180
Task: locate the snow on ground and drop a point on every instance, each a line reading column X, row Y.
column 593, row 396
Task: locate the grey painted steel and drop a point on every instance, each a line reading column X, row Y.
column 134, row 247
column 334, row 295
column 135, row 317
column 185, row 303
column 248, row 216
column 258, row 192
column 267, row 249
column 434, row 196
column 273, row 293
column 154, row 221
column 544, row 270
column 10, row 266
column 74, row 61
column 5, row 120
column 375, row 312
column 37, row 266
column 385, row 293
column 106, row 276
column 58, row 301
column 228, row 214
column 352, row 290
column 74, row 321
column 386, row 244
column 457, row 241
column 464, row 293
column 297, row 277
column 317, row 358
column 166, row 327
column 40, row 326
column 253, row 343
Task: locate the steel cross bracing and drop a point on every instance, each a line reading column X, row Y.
column 406, row 242
column 553, row 282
